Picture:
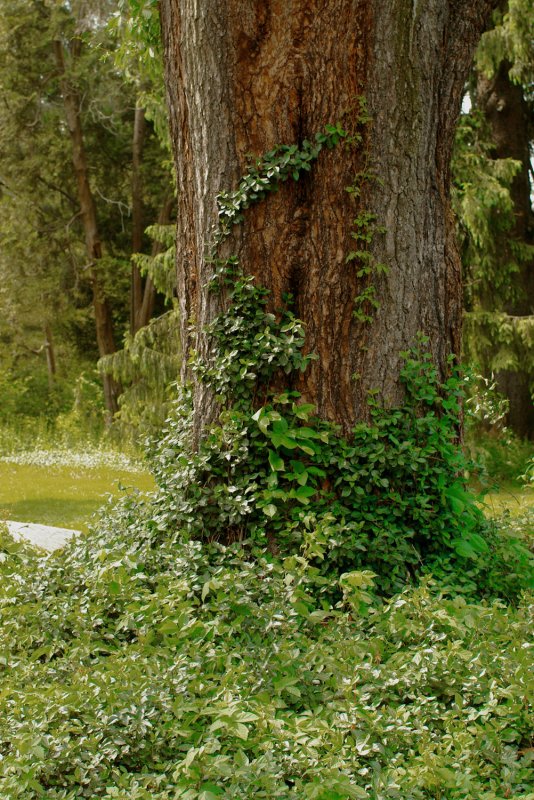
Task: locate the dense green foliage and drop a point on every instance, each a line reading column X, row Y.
column 392, row 497
column 492, row 196
column 293, row 613
column 148, row 364
column 491, row 255
column 139, row 665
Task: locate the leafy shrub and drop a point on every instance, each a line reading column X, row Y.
column 139, row 666
column 393, row 498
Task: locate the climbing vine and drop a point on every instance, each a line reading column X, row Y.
column 391, row 498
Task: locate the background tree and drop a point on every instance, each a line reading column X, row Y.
column 493, row 198
column 56, row 66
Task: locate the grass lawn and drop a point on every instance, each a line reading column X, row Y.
column 62, row 495
column 518, row 500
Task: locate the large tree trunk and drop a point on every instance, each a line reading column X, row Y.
column 506, row 111
column 102, row 310
column 243, row 77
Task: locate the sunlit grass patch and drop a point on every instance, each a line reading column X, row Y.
column 517, row 500
column 64, row 495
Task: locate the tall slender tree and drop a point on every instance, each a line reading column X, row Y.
column 93, row 244
column 504, row 288
column 75, row 192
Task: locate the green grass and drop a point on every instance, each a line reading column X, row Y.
column 62, row 495
column 517, row 500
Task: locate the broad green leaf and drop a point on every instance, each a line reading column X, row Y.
column 270, row 510
column 276, row 462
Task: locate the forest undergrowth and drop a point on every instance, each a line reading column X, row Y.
column 162, row 656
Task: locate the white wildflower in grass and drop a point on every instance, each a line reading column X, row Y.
column 90, row 457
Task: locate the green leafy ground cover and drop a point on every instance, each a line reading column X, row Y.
column 136, row 665
column 226, row 636
column 142, row 664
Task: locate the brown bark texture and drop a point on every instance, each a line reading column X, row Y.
column 506, row 111
column 245, row 76
column 102, row 310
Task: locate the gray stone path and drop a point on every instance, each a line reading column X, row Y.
column 45, row 536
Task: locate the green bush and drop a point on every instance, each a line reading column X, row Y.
column 392, row 498
column 139, row 666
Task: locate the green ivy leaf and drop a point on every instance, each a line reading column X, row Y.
column 270, row 510
column 277, row 463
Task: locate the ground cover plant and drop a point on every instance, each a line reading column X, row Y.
column 137, row 665
column 160, row 657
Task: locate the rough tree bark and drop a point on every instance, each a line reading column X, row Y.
column 505, row 108
column 244, row 76
column 93, row 244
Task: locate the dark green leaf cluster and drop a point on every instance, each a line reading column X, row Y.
column 248, row 345
column 268, row 172
column 392, row 498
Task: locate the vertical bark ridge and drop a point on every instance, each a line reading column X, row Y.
column 415, row 93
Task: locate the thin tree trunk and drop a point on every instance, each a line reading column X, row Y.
column 243, row 77
column 102, row 309
column 136, row 289
column 504, row 107
column 50, row 355
column 143, row 293
column 149, row 292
